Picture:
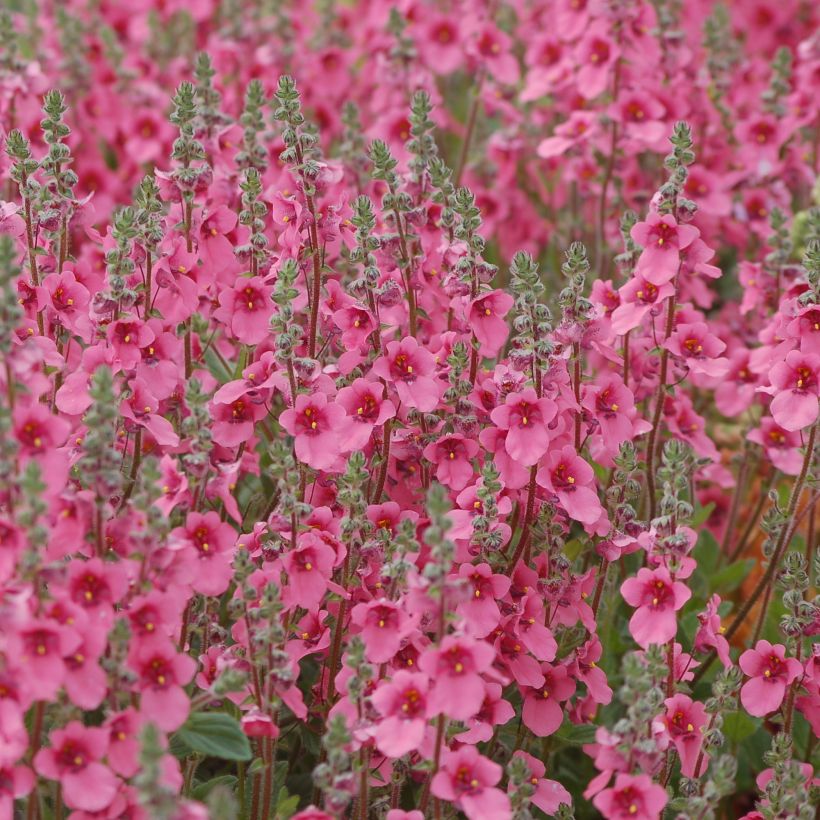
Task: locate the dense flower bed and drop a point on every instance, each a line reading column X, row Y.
column 409, row 409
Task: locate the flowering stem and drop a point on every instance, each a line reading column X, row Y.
column 468, row 134
column 739, row 487
column 148, row 275
column 656, row 420
column 783, row 541
column 752, row 520
column 377, row 493
column 576, row 386
column 425, row 795
column 135, row 466
column 523, row 542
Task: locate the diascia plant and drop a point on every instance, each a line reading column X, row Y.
column 409, row 409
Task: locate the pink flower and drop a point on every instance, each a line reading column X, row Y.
column 480, row 610
column 37, row 649
column 595, row 55
column 662, row 239
column 73, row 760
column 549, row 794
column 467, row 779
column 409, row 368
column 710, row 632
column 205, row 547
column 581, row 126
column 639, row 298
column 384, row 626
column 161, row 673
column 402, row 702
column 684, row 721
column 699, row 349
column 494, row 711
column 366, row 409
column 573, row 481
column 247, row 309
column 309, row 568
column 439, row 42
column 234, row 422
column 128, row 337
column 456, row 668
column 525, row 418
column 316, row 424
column 770, row 674
column 633, row 797
column 123, row 742
column 612, row 405
column 486, row 319
column 452, row 456
column 141, row 409
column 356, row 325
column 658, row 598
column 796, row 388
column 542, row 712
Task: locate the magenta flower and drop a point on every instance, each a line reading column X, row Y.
column 161, row 673
column 770, row 674
column 467, row 779
column 409, row 368
column 796, row 389
column 316, row 424
column 685, row 720
column 525, row 417
column 572, row 480
column 549, row 794
column 456, row 668
column 662, row 239
column 486, row 319
column 73, row 760
column 657, row 598
column 402, row 702
column 633, row 797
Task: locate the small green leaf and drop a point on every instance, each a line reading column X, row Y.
column 215, row 734
column 202, row 790
column 731, row 577
column 737, row 726
column 576, row 735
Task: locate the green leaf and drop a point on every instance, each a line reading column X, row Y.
column 215, row 734
column 731, row 577
column 286, row 805
column 706, row 552
column 576, row 735
column 202, row 790
column 737, row 726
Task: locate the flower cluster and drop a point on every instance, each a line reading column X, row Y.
column 409, row 409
